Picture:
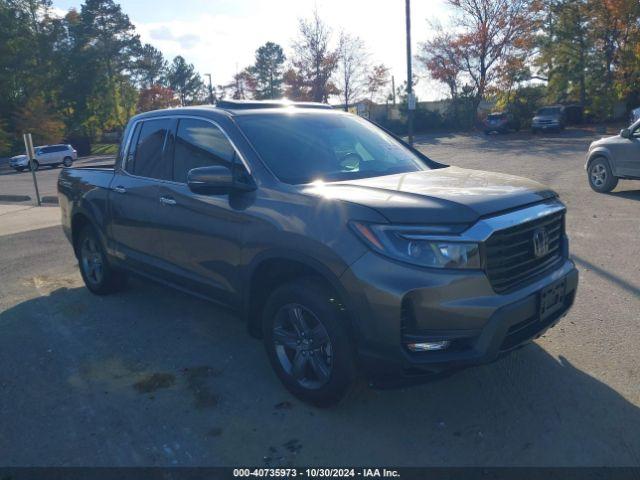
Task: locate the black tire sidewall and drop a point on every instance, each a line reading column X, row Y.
column 314, row 296
column 112, row 280
column 611, row 181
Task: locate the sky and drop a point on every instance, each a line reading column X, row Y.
column 221, row 36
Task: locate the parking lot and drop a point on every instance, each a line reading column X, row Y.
column 151, row 376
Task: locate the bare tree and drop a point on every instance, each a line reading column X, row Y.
column 377, row 79
column 352, row 68
column 314, row 59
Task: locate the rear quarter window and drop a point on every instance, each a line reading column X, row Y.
column 147, row 159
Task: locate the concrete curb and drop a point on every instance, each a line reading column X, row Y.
column 16, row 198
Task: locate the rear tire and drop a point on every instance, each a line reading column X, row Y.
column 601, row 178
column 308, row 343
column 99, row 277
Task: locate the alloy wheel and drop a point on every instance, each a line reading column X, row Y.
column 598, row 175
column 302, row 346
column 91, row 260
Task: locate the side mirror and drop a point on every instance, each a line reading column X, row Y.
column 625, row 133
column 217, row 180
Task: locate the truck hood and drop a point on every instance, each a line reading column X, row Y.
column 445, row 195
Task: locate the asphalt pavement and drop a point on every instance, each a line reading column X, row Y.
column 17, row 186
column 151, row 376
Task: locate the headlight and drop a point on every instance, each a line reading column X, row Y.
column 420, row 245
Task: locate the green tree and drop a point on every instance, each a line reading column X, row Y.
column 267, row 71
column 185, row 81
column 150, row 66
column 37, row 118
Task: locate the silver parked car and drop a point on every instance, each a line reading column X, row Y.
column 50, row 155
column 612, row 158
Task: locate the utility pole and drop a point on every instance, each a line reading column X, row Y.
column 393, row 89
column 411, row 102
column 210, row 88
column 31, row 157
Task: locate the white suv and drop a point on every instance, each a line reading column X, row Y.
column 51, row 155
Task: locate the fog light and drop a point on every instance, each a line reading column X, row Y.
column 428, row 346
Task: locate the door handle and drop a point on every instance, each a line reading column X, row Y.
column 167, row 201
column 119, row 189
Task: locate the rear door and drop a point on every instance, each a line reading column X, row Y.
column 44, row 156
column 202, row 233
column 134, row 197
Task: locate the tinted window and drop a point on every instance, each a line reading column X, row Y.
column 199, row 144
column 46, row 150
column 148, row 159
column 303, row 147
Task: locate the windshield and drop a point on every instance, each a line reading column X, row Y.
column 549, row 111
column 306, row 146
column 496, row 116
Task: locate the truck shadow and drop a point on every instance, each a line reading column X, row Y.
column 630, row 194
column 113, row 379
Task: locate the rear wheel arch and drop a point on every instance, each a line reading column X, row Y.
column 79, row 221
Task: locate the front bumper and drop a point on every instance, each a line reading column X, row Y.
column 18, row 163
column 546, row 126
column 399, row 303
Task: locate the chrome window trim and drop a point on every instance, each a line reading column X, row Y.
column 132, row 130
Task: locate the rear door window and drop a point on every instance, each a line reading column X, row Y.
column 148, row 158
column 199, row 143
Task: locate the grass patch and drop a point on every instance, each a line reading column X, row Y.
column 104, row 149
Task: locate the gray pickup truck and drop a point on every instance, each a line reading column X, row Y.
column 342, row 247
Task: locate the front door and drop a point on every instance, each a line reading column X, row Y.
column 135, row 197
column 629, row 161
column 202, row 233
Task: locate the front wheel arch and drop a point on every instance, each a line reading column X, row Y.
column 611, row 183
column 273, row 271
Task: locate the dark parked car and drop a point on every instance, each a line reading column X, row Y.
column 549, row 118
column 342, row 247
column 501, row 122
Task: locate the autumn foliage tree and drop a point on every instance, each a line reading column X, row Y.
column 486, row 40
column 156, row 97
column 314, row 61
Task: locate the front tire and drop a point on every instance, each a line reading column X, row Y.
column 99, row 277
column 67, row 161
column 35, row 165
column 601, row 178
column 308, row 343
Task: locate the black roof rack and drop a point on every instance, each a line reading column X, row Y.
column 257, row 104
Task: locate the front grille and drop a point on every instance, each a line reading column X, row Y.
column 510, row 257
